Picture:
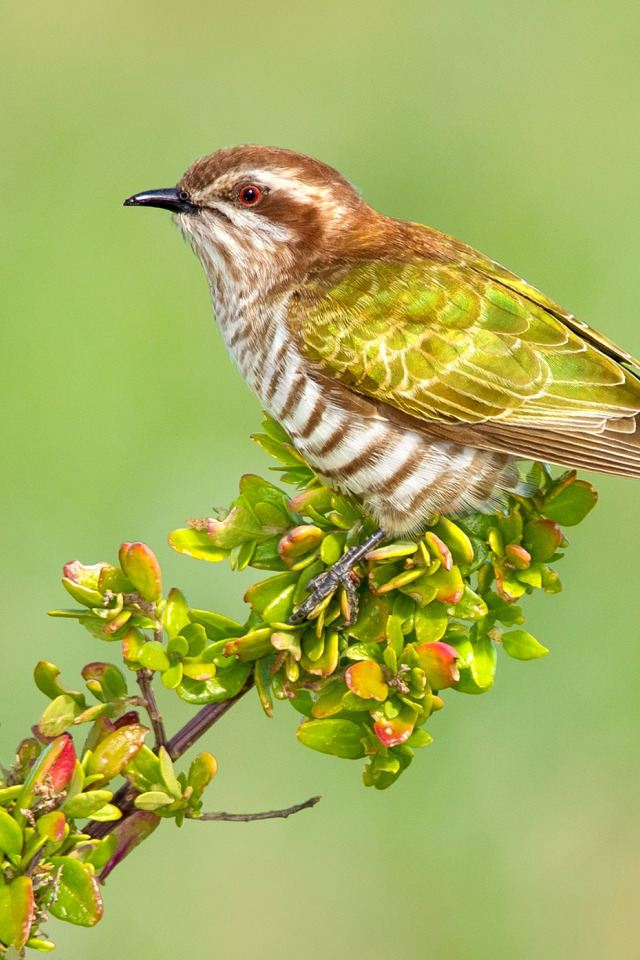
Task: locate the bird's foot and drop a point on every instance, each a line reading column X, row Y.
column 323, row 587
column 341, row 574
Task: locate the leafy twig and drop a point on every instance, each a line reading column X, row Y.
column 203, row 720
column 124, row 798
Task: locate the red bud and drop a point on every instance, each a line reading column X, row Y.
column 62, row 768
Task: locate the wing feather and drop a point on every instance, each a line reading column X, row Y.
column 466, row 350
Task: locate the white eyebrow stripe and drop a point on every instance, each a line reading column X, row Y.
column 289, row 179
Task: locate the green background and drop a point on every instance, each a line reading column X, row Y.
column 511, row 125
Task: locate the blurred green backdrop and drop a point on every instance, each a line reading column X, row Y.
column 511, row 125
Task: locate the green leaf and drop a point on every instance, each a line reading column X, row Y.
column 542, row 538
column 216, row 626
column 153, row 800
column 46, row 679
column 340, row 738
column 196, row 544
column 52, row 826
column 153, row 656
column 59, row 716
column 256, row 643
column 101, row 854
column 17, row 911
column 371, row 624
column 84, row 595
column 364, row 651
column 419, row 738
column 104, row 680
column 107, row 813
column 281, row 607
column 332, row 548
column 85, row 804
column 456, row 540
column 201, row 773
column 476, row 663
column 267, row 594
column 239, row 526
column 40, row 945
column 11, row 837
column 226, row 684
column 258, row 490
column 179, row 646
column 8, row 794
column 144, row 769
column 172, row 676
column 176, row 613
column 168, row 774
column 508, row 614
column 113, row 579
column 303, row 703
column 263, row 680
column 265, row 556
column 470, row 606
column 78, row 897
column 430, row 622
column 522, row 646
column 196, row 637
column 572, row 504
column 116, row 751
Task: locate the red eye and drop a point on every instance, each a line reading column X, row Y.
column 250, row 195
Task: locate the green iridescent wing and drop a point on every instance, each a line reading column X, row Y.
column 465, row 342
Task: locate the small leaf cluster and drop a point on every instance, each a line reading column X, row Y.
column 49, row 864
column 433, row 612
column 185, row 647
column 433, row 609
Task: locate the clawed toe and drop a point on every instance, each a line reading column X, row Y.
column 325, row 584
column 322, row 587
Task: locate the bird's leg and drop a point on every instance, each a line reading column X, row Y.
column 339, row 574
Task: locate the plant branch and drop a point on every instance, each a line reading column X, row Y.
column 265, row 815
column 144, row 678
column 203, row 720
column 124, row 798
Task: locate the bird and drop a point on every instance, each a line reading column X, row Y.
column 410, row 370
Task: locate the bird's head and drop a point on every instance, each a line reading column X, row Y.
column 261, row 210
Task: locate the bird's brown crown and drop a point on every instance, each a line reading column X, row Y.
column 230, row 162
column 274, row 196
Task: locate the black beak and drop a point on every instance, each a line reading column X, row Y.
column 170, row 199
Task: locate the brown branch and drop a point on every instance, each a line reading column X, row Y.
column 144, row 678
column 124, row 798
column 265, row 815
column 203, row 720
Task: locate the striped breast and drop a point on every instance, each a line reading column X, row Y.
column 401, row 475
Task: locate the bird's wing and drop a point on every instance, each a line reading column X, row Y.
column 468, row 350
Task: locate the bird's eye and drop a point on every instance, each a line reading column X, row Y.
column 250, row 195
column 184, row 195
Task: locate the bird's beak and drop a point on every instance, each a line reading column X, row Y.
column 168, row 199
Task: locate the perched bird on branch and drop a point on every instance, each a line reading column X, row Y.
column 409, row 369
